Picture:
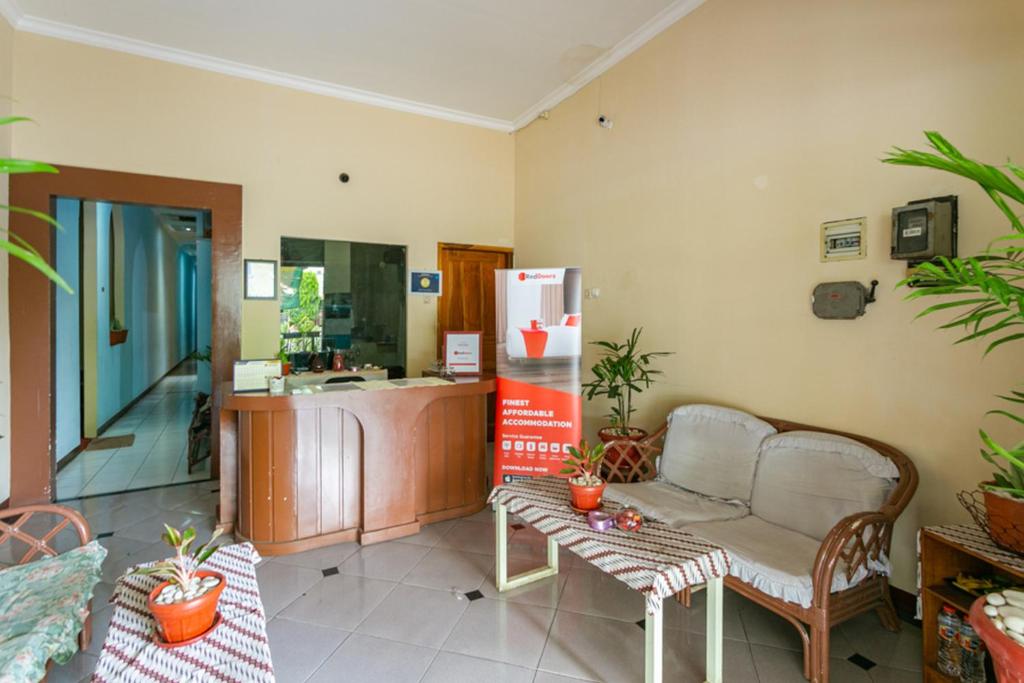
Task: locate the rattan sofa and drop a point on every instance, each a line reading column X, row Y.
column 52, row 600
column 739, row 481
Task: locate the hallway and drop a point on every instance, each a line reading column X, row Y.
column 159, row 423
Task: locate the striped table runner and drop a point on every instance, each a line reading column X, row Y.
column 657, row 560
column 237, row 650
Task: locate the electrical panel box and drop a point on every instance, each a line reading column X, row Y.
column 925, row 229
column 842, row 240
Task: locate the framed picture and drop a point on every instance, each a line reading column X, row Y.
column 462, row 352
column 260, row 279
column 425, row 282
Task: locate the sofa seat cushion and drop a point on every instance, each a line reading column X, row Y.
column 773, row 559
column 712, row 450
column 808, row 481
column 44, row 604
column 673, row 505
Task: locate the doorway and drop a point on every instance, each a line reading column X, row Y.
column 32, row 309
column 131, row 363
column 467, row 301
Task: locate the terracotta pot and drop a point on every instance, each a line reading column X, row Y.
column 286, row 369
column 1007, row 656
column 586, row 497
column 618, row 462
column 118, row 337
column 1005, row 519
column 186, row 620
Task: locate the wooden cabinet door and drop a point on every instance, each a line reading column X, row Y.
column 467, row 296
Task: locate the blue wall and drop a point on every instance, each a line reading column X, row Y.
column 204, row 309
column 67, row 351
column 158, row 302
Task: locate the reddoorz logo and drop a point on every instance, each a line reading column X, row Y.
column 537, row 276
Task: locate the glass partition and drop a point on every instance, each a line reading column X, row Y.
column 343, row 295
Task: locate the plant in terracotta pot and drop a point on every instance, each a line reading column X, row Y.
column 622, row 371
column 585, row 485
column 282, row 355
column 185, row 603
column 986, row 295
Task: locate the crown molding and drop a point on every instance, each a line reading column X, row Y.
column 625, row 47
column 10, row 11
column 55, row 29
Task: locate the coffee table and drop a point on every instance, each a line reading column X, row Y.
column 657, row 560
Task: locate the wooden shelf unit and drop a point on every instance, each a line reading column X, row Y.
column 942, row 559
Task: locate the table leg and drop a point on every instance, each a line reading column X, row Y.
column 653, row 646
column 501, row 578
column 713, row 663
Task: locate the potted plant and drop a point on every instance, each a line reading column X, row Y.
column 622, row 371
column 585, row 486
column 282, row 355
column 986, row 294
column 118, row 335
column 185, row 603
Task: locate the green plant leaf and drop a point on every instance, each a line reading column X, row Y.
column 35, row 214
column 12, row 166
column 36, row 261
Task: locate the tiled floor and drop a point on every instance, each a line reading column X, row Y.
column 398, row 611
column 160, row 424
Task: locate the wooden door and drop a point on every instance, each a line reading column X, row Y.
column 467, row 296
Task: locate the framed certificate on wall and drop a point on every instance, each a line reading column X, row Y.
column 462, row 352
column 260, row 279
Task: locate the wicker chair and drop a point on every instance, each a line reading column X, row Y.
column 40, row 541
column 856, row 542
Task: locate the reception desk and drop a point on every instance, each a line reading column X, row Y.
column 365, row 462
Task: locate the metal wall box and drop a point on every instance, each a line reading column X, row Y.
column 925, row 229
column 840, row 300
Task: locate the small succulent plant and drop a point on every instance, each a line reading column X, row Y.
column 582, row 464
column 181, row 569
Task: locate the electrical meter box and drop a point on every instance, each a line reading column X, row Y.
column 841, row 300
column 925, row 229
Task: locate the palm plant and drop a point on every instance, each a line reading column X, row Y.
column 13, row 244
column 984, row 291
column 622, row 371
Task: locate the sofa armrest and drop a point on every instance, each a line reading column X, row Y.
column 858, row 541
column 38, row 540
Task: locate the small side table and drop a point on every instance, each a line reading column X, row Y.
column 946, row 551
column 236, row 650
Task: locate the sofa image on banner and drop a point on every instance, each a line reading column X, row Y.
column 539, row 355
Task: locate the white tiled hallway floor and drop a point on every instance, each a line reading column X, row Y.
column 159, row 422
column 399, row 611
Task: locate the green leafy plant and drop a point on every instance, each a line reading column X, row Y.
column 13, row 244
column 202, row 356
column 115, row 325
column 282, row 352
column 583, row 462
column 181, row 569
column 983, row 291
column 622, row 371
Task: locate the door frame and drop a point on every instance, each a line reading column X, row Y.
column 441, row 247
column 31, row 301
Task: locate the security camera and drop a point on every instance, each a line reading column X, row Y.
column 604, row 121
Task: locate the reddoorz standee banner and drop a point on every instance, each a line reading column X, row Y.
column 539, row 340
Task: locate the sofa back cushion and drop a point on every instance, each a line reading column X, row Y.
column 712, row 450
column 808, row 481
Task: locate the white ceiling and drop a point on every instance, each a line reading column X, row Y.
column 495, row 63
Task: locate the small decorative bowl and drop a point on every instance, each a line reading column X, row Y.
column 600, row 521
column 629, row 519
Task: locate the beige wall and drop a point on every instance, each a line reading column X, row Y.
column 415, row 180
column 736, row 133
column 6, row 92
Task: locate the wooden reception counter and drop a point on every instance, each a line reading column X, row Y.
column 351, row 462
